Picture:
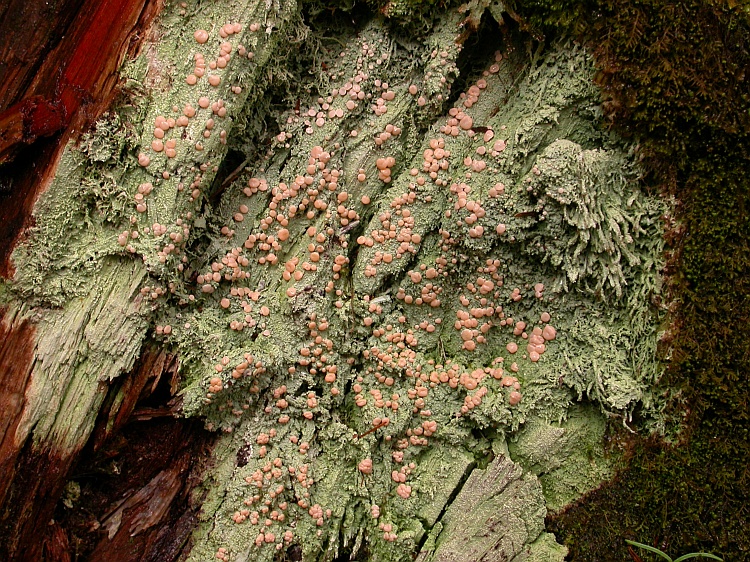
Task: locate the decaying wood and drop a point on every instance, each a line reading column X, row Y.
column 58, row 73
column 119, row 407
column 492, row 518
column 99, row 403
column 56, row 544
column 16, row 357
column 153, row 517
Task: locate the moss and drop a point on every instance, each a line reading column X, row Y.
column 672, row 75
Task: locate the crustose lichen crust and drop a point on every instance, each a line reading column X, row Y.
column 392, row 283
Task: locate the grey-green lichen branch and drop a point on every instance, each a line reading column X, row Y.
column 398, row 283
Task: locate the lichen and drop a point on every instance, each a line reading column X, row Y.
column 80, row 347
column 500, row 501
column 394, row 281
column 567, row 457
column 561, row 203
column 671, row 77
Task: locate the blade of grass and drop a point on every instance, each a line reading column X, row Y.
column 650, row 549
column 696, row 555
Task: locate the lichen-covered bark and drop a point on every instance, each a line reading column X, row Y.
column 497, row 515
column 399, row 280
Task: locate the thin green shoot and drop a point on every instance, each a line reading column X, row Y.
column 669, row 558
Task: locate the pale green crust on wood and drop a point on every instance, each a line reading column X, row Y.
column 581, row 242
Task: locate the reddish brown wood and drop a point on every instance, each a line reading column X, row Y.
column 28, row 120
column 146, row 376
column 74, row 81
column 57, row 545
column 28, row 32
column 145, row 512
column 16, row 361
column 38, row 482
column 80, row 71
column 134, row 523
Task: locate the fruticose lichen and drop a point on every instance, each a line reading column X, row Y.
column 396, row 281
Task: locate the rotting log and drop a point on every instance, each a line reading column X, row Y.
column 375, row 260
column 56, row 79
column 66, row 381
